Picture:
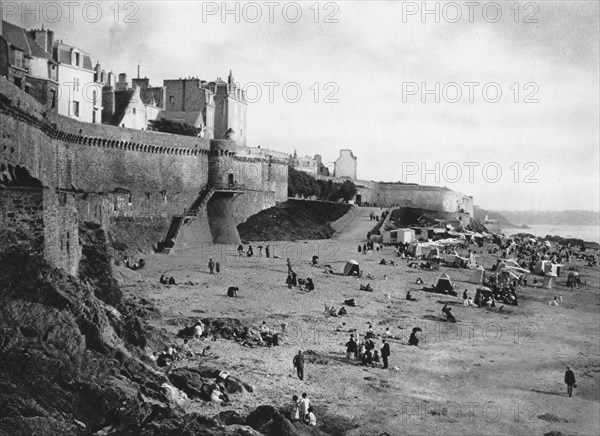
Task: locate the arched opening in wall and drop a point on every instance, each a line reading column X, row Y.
column 230, row 180
column 17, row 176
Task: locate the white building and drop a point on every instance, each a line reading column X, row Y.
column 345, row 165
column 80, row 97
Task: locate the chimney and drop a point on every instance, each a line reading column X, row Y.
column 50, row 41
column 138, row 72
column 122, row 83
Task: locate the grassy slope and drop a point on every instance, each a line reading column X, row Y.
column 294, row 219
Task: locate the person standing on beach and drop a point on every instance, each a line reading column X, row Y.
column 267, row 250
column 211, row 266
column 295, row 412
column 385, row 353
column 569, row 380
column 217, row 267
column 299, row 365
column 351, row 348
column 304, row 405
column 289, row 265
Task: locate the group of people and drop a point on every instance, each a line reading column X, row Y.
column 134, row 265
column 164, row 280
column 556, row 301
column 301, row 410
column 447, row 313
column 365, row 352
column 214, row 267
column 250, row 251
column 368, row 246
column 331, row 310
column 306, row 284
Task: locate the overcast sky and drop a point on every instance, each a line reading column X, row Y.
column 372, row 63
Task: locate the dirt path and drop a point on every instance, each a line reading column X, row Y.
column 357, row 229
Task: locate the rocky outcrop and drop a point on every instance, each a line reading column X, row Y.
column 69, row 363
column 73, row 364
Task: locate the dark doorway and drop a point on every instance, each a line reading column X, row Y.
column 358, row 199
column 230, row 180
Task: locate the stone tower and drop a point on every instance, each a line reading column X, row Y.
column 222, row 178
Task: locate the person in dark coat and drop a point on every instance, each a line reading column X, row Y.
column 351, row 348
column 569, row 380
column 211, row 266
column 413, row 340
column 299, row 364
column 385, row 353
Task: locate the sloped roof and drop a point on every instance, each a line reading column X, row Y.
column 122, row 100
column 63, row 55
column 19, row 37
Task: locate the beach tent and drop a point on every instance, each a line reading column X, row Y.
column 506, row 275
column 481, row 294
column 549, row 280
column 477, row 276
column 415, row 249
column 444, row 285
column 472, row 263
column 433, row 252
column 351, row 268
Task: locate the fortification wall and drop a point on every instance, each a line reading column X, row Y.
column 61, row 230
column 49, row 217
column 23, row 208
column 418, row 196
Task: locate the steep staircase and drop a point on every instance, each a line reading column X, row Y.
column 178, row 221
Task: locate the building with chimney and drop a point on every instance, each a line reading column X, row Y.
column 189, row 101
column 130, row 106
column 30, row 63
column 80, row 94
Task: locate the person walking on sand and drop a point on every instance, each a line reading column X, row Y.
column 289, row 265
column 299, row 364
column 211, row 266
column 267, row 251
column 385, row 353
column 217, row 267
column 570, row 381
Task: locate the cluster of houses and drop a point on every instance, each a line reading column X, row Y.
column 65, row 80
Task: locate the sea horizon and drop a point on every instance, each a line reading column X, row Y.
column 588, row 233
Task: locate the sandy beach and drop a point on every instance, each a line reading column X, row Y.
column 491, row 373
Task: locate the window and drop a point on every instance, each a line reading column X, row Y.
column 52, row 98
column 76, row 84
column 134, row 111
column 18, row 58
column 76, row 108
column 95, row 97
column 77, row 59
column 172, row 99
